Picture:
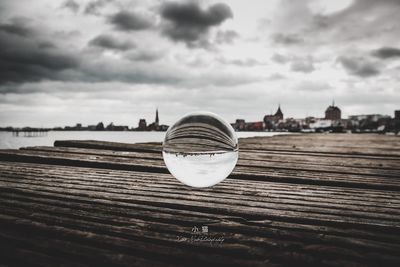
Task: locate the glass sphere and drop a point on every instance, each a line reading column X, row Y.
column 200, row 149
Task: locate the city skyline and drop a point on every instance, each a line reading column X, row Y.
column 70, row 61
column 331, row 113
column 150, row 118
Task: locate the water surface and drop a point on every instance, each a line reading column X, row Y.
column 8, row 141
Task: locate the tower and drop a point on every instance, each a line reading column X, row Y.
column 333, row 112
column 279, row 113
column 157, row 120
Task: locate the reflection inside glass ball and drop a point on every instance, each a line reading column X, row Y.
column 200, row 149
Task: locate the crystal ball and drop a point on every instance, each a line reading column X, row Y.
column 200, row 149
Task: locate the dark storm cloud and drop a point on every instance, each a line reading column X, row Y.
column 287, row 39
column 359, row 67
column 71, row 5
column 26, row 57
column 16, row 29
column 189, row 22
column 29, row 59
column 109, row 42
column 386, row 52
column 130, row 21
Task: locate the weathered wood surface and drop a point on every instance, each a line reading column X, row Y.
column 295, row 200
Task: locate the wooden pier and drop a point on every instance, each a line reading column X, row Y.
column 30, row 132
column 293, row 200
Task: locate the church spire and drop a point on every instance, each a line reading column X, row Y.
column 157, row 120
column 279, row 113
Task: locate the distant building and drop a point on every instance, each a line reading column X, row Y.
column 239, row 125
column 154, row 126
column 77, row 127
column 395, row 124
column 368, row 122
column 92, row 127
column 368, row 117
column 321, row 124
column 254, row 126
column 112, row 127
column 272, row 121
column 291, row 125
column 333, row 112
column 279, row 113
column 100, row 126
column 142, row 125
column 310, row 120
column 163, row 127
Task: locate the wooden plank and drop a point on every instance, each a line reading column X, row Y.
column 312, row 162
column 243, row 187
column 249, row 171
column 349, row 144
column 292, row 200
column 177, row 193
column 91, row 144
column 329, row 210
column 328, row 144
column 111, row 216
column 252, row 251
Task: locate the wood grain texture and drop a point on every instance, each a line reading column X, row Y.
column 294, row 200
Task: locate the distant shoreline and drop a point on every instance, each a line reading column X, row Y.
column 86, row 130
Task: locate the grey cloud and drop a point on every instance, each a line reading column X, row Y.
column 190, row 23
column 150, row 72
column 287, row 39
column 276, row 76
column 248, row 62
column 279, row 58
column 71, row 5
column 27, row 57
column 314, row 86
column 34, row 59
column 103, row 72
column 94, row 7
column 359, row 66
column 131, row 21
column 386, row 52
column 303, row 65
column 226, row 37
column 110, row 42
column 354, row 23
column 145, row 56
column 362, row 20
column 16, row 28
column 298, row 64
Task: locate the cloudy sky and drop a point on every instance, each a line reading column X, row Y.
column 63, row 62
